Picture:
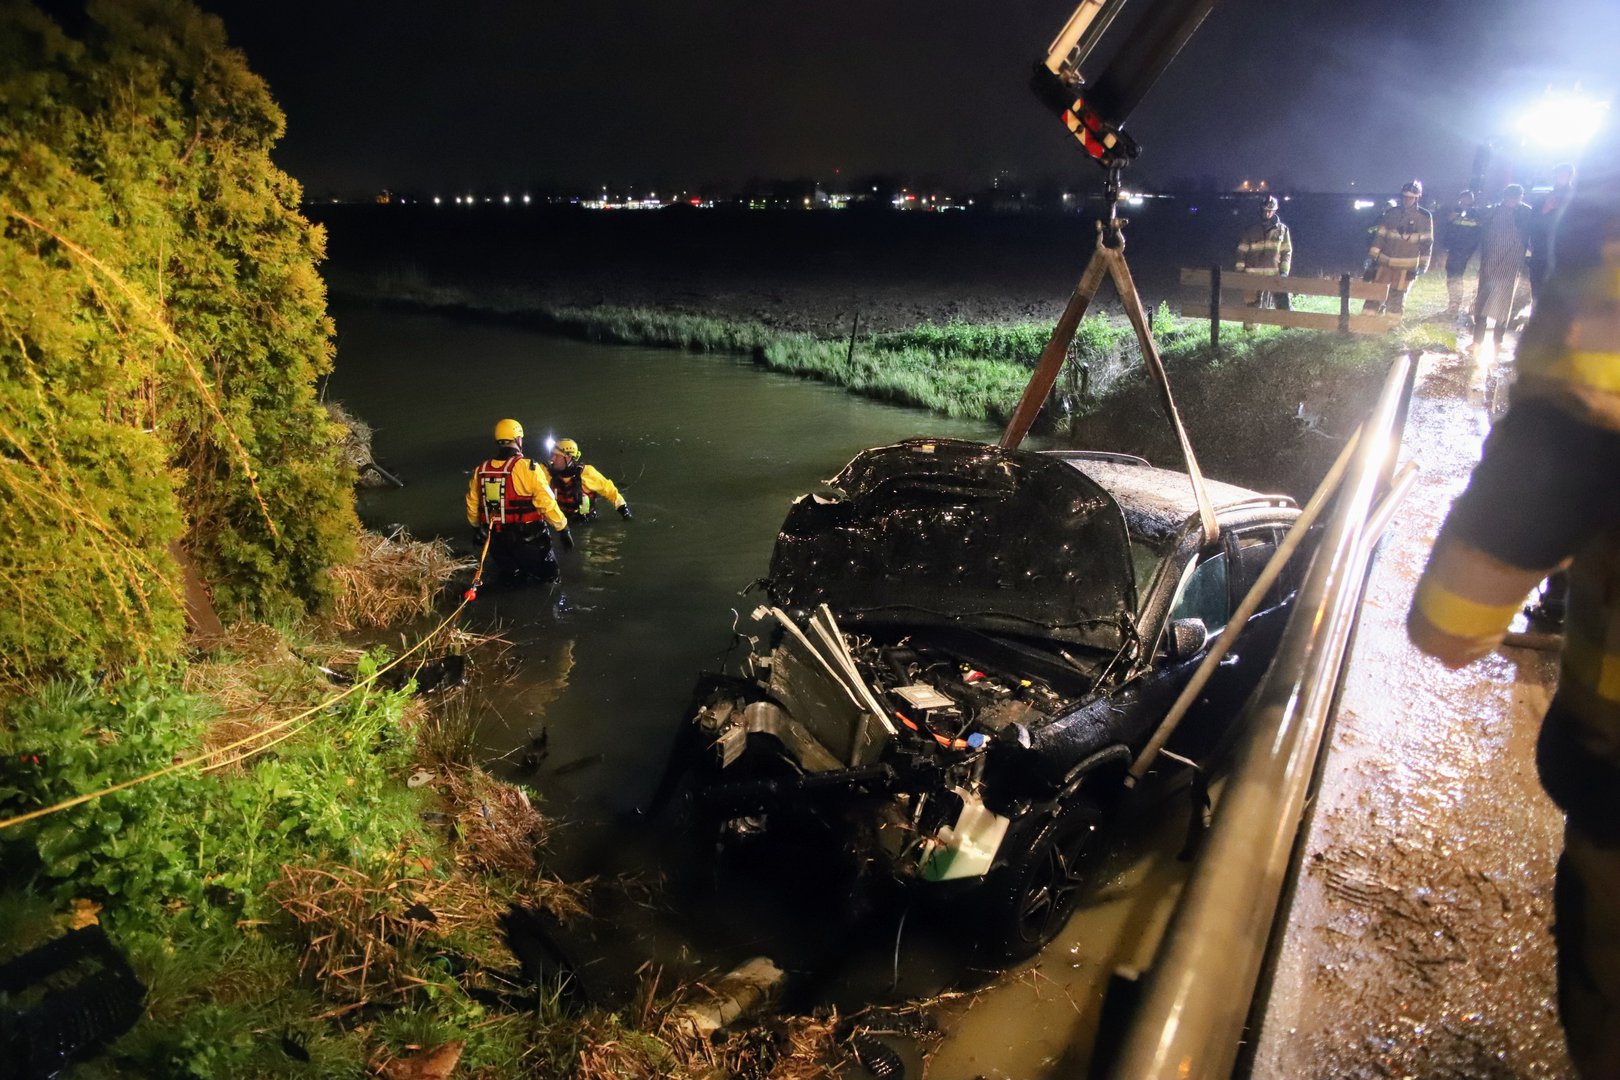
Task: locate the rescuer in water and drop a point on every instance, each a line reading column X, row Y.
column 1462, row 240
column 1547, row 494
column 510, row 505
column 578, row 486
column 1402, row 242
column 1267, row 245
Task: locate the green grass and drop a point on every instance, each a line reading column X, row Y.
column 185, row 870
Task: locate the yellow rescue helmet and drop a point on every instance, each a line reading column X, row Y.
column 508, row 431
column 569, row 447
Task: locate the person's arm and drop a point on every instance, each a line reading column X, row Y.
column 1243, row 252
column 1425, row 242
column 472, row 499
column 1285, row 252
column 1465, row 601
column 1375, row 250
column 1543, row 489
column 591, row 478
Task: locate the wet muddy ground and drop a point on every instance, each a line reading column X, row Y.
column 1419, row 943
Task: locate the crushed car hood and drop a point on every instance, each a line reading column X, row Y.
column 943, row 531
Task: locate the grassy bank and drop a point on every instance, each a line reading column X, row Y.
column 319, row 891
column 1268, row 409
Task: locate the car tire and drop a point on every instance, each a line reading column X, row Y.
column 1029, row 897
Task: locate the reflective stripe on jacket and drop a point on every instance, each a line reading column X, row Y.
column 1403, row 239
column 1463, row 232
column 1546, row 493
column 1266, row 245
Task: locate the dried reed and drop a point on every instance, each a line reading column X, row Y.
column 392, row 580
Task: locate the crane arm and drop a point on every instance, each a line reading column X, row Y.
column 1095, row 114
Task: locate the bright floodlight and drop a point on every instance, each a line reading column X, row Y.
column 1562, row 121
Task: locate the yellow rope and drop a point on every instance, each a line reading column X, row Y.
column 307, row 714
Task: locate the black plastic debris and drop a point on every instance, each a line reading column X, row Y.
column 65, row 1002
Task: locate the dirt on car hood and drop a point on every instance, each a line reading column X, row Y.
column 943, row 531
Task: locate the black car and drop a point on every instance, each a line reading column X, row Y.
column 965, row 647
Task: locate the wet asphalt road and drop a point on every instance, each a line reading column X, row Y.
column 1419, row 942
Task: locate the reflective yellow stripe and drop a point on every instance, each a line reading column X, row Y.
column 1586, row 660
column 1599, row 370
column 1459, row 616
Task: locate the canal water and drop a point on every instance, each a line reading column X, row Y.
column 708, row 450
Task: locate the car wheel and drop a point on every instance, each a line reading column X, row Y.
column 1031, row 895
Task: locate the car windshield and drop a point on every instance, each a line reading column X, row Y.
column 958, row 533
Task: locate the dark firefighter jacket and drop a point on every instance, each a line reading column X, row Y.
column 1546, row 493
column 1462, row 234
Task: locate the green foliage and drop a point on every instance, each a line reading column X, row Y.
column 181, row 864
column 161, row 331
column 1241, row 405
column 186, row 839
column 645, row 326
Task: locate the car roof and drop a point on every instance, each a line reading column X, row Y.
column 1158, row 503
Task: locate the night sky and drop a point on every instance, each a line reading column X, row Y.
column 1311, row 94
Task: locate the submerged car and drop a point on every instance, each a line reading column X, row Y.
column 965, row 647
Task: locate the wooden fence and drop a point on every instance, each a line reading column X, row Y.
column 1217, row 281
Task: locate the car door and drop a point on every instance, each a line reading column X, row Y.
column 1213, row 593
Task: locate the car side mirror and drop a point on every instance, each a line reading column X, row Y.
column 1186, row 638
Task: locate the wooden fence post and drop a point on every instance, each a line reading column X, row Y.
column 1344, row 303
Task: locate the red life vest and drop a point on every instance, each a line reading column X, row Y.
column 569, row 488
column 498, row 504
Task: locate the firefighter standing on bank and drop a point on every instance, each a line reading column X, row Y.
column 578, row 486
column 1402, row 242
column 1267, row 246
column 1547, row 494
column 509, row 505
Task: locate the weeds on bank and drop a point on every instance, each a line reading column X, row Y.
column 328, row 908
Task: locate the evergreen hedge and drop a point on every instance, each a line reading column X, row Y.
column 162, row 329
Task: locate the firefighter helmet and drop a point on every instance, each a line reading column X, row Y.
column 568, row 447
column 1269, row 203
column 1412, row 187
column 508, row 431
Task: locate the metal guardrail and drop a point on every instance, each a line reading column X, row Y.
column 1197, row 996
